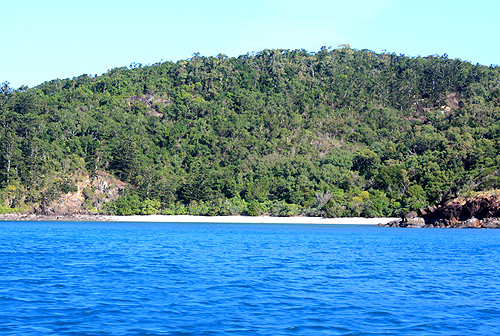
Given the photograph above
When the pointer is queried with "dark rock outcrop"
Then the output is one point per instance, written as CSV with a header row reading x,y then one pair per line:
x,y
478,212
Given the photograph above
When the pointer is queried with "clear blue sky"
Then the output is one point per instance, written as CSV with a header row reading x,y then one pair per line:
x,y
44,40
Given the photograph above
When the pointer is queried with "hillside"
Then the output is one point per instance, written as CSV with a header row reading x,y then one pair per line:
x,y
339,132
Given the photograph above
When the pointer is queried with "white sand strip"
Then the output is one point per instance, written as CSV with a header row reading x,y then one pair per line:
x,y
251,220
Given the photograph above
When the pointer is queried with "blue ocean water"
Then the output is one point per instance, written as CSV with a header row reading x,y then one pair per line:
x,y
104,278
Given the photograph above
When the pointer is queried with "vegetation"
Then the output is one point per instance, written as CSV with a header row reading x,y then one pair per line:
x,y
339,132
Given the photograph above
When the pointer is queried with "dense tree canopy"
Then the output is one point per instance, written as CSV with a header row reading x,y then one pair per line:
x,y
339,132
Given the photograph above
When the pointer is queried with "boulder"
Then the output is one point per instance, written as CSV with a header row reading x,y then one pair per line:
x,y
471,223
491,223
409,216
417,222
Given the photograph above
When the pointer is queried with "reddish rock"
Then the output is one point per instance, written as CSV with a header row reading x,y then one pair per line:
x,y
422,212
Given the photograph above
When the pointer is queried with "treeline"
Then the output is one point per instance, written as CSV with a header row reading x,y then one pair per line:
x,y
339,132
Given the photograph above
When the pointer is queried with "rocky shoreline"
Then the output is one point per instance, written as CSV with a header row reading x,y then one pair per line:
x,y
480,212
50,218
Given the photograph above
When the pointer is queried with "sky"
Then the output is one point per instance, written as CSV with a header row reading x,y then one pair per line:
x,y
50,39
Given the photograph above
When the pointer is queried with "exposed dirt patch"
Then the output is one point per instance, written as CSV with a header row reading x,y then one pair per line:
x,y
93,192
152,102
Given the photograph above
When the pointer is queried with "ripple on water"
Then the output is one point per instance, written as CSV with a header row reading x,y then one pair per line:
x,y
198,279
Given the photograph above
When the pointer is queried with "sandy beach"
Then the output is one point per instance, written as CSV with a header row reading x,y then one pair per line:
x,y
251,220
199,219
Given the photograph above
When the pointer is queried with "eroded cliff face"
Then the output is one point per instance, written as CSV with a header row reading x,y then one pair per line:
x,y
482,211
92,193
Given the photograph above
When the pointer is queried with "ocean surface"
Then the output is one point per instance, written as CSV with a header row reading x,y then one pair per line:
x,y
59,278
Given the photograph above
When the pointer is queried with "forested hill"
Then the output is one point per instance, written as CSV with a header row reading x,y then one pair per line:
x,y
339,132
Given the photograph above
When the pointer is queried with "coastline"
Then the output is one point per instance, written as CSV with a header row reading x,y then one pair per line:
x,y
199,219
251,220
